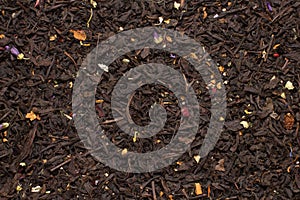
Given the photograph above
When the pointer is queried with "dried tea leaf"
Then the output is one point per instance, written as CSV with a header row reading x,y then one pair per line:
x,y
198,189
79,34
289,121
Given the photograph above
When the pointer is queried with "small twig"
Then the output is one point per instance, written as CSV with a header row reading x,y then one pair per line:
x,y
239,46
147,182
269,48
60,165
153,190
285,64
67,54
89,20
185,194
109,121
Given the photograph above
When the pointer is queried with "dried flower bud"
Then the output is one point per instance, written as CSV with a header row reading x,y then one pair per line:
x,y
269,7
4,125
14,51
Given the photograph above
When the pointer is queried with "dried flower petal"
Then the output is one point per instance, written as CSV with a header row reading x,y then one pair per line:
x,y
185,111
288,121
269,7
37,3
20,56
157,38
4,125
172,56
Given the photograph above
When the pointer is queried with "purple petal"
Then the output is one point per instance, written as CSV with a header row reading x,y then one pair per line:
x,y
269,7
7,48
14,51
155,35
172,56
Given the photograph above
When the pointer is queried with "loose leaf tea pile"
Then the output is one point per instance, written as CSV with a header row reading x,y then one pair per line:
x,y
256,47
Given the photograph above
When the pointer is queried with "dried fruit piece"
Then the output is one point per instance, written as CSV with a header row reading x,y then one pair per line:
x,y
135,136
198,189
36,189
124,152
289,85
176,5
245,124
197,158
289,121
161,193
52,37
32,116
204,13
